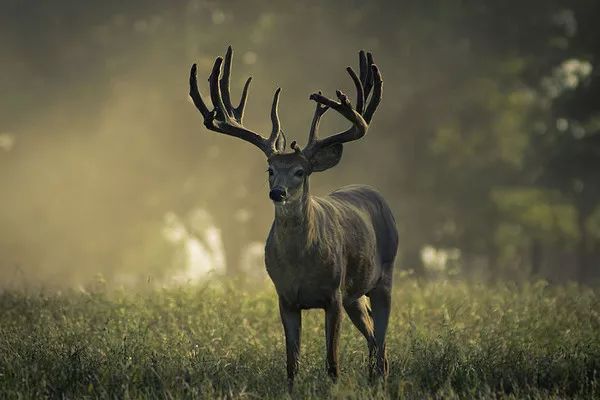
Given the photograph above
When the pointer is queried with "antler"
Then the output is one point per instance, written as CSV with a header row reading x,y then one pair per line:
x,y
370,79
224,118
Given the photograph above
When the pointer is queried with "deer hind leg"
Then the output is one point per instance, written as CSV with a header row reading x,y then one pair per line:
x,y
360,314
381,301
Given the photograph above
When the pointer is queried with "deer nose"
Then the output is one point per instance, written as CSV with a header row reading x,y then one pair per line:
x,y
277,194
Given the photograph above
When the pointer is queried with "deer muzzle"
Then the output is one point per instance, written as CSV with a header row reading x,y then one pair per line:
x,y
278,194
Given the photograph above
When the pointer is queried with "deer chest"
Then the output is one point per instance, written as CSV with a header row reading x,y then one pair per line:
x,y
304,285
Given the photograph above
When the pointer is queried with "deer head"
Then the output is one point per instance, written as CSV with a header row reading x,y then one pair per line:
x,y
289,171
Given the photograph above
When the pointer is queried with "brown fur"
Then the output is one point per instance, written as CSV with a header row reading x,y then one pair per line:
x,y
321,252
325,252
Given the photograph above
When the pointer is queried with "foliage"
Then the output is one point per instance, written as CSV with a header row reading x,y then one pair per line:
x,y
446,339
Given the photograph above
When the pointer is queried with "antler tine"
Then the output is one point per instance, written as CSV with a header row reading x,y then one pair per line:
x,y
224,118
275,132
356,131
314,127
224,82
376,97
238,112
369,78
364,68
215,90
360,95
195,93
368,84
280,142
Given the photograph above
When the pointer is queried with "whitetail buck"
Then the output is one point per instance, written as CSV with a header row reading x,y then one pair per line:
x,y
322,252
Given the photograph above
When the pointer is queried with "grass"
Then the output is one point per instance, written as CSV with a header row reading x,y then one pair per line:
x,y
450,340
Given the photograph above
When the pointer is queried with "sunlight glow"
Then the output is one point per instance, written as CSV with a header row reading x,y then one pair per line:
x,y
7,141
201,251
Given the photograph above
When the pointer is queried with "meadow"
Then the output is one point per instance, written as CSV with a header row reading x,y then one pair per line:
x,y
446,340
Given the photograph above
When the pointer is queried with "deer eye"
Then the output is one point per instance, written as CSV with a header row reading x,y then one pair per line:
x,y
270,171
299,173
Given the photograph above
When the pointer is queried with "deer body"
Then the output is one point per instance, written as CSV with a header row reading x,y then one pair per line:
x,y
360,239
332,252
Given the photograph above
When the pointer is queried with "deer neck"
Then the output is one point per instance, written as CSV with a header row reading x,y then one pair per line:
x,y
293,220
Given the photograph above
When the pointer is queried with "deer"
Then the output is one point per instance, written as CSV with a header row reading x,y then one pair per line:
x,y
331,252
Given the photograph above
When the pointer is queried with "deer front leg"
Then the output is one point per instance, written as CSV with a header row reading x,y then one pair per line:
x,y
333,319
292,324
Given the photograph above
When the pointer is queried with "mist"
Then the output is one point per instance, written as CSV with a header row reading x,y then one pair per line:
x,y
106,169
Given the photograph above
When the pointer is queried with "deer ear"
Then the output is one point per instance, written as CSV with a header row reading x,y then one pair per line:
x,y
326,157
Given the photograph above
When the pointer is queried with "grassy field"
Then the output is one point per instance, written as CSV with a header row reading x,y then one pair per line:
x,y
450,340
